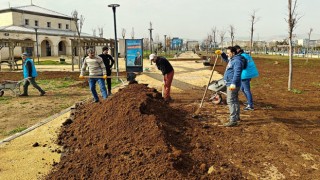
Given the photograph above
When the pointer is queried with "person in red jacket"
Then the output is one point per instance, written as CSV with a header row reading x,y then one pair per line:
x,y
167,71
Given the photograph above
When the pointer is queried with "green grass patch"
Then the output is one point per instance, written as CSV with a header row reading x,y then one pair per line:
x,y
16,130
56,84
5,100
51,62
317,84
297,91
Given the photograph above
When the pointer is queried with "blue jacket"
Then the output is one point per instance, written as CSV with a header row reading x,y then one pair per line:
x,y
251,70
28,66
233,71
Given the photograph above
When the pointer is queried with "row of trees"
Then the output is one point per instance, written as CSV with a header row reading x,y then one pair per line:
x,y
292,20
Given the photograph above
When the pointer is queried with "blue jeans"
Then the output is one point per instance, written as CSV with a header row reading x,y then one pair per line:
x,y
233,104
245,88
92,85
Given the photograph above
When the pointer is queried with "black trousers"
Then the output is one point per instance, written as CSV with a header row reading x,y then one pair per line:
x,y
108,80
32,81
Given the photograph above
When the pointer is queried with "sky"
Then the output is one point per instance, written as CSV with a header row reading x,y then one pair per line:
x,y
187,19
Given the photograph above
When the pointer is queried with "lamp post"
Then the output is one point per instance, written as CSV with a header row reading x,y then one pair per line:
x,y
114,6
150,29
36,29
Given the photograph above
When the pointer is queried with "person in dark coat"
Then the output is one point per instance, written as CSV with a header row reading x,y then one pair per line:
x,y
167,71
108,62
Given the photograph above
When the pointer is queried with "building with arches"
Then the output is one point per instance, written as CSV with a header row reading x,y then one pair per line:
x,y
55,33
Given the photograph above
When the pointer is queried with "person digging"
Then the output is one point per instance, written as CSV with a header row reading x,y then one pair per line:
x,y
167,71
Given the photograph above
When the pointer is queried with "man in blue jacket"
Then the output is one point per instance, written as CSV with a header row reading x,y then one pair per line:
x,y
232,77
29,75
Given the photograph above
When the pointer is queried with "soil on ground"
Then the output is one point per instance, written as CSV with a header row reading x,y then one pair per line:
x,y
136,135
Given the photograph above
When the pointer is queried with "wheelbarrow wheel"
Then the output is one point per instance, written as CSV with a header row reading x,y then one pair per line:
x,y
1,93
216,99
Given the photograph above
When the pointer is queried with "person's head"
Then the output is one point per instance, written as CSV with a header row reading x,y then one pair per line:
x,y
231,51
90,52
153,57
24,55
138,53
238,48
105,50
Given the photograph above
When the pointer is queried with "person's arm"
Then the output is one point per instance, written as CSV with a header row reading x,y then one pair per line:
x,y
103,67
224,57
112,61
83,68
237,67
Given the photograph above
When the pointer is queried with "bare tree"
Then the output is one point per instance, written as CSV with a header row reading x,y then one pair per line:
x,y
123,33
100,29
232,31
222,33
132,33
292,23
213,33
308,46
79,23
253,20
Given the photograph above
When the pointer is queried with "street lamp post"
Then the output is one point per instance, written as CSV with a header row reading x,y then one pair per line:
x,y
36,29
114,6
150,29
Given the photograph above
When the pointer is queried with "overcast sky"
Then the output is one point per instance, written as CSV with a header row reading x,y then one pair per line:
x,y
188,19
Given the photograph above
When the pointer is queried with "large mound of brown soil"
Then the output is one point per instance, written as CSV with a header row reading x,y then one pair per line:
x,y
134,135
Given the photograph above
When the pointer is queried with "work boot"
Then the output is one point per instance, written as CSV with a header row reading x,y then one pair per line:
x,y
231,124
23,94
42,93
248,108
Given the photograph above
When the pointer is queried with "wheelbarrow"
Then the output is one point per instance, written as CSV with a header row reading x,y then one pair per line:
x,y
218,87
13,86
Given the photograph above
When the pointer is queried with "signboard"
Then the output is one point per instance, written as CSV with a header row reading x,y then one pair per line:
x,y
176,43
134,56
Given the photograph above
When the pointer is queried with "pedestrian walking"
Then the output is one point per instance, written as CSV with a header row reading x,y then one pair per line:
x,y
167,71
98,72
29,75
108,63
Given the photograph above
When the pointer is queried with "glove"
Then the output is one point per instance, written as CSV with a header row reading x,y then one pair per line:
x,y
218,52
104,76
232,87
81,77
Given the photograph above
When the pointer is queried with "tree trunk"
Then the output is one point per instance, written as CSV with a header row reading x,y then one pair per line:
x,y
290,65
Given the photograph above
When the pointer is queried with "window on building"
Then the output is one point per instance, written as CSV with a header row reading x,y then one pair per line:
x,y
59,25
26,22
67,26
48,24
36,23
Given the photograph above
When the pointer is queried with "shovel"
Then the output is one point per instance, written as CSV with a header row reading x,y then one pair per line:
x,y
196,114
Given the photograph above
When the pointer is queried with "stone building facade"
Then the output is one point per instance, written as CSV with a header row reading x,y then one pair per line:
x,y
55,32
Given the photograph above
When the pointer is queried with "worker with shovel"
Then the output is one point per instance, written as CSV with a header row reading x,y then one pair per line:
x,y
232,77
167,71
97,73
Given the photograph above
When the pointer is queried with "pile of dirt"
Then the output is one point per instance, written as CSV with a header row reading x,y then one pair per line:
x,y
134,135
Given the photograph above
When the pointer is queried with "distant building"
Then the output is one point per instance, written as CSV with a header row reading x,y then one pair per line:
x,y
56,32
192,45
